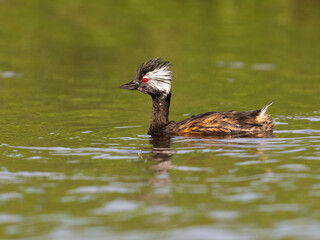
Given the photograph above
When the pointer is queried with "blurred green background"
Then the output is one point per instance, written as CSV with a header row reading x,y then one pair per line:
x,y
75,54
73,145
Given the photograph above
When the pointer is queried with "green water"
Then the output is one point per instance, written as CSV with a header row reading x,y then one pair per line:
x,y
76,162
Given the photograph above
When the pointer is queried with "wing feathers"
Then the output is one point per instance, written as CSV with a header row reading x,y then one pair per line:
x,y
225,123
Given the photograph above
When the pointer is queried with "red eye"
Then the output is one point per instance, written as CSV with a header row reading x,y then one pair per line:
x,y
145,80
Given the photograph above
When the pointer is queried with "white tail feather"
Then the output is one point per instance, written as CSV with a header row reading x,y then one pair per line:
x,y
263,110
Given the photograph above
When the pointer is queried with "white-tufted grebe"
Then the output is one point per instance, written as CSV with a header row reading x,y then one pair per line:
x,y
154,78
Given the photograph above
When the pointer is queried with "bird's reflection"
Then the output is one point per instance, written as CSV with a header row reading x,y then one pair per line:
x,y
160,179
161,154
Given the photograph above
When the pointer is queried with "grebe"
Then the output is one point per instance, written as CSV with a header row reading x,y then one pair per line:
x,y
154,78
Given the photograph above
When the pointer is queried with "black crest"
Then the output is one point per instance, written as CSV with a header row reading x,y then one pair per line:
x,y
150,66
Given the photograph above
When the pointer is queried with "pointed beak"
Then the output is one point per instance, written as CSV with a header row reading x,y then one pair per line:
x,y
130,86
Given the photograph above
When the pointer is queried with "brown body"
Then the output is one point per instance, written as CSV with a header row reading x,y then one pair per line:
x,y
222,123
211,123
154,78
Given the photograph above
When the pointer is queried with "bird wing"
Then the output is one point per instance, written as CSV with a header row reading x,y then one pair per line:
x,y
221,123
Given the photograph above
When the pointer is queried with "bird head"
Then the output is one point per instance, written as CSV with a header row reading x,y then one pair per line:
x,y
152,77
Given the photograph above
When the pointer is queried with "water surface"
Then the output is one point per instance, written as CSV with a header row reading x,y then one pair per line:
x,y
76,162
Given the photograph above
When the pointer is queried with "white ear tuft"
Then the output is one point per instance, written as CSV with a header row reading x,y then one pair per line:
x,y
160,79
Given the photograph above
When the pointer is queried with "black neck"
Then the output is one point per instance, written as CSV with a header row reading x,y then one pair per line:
x,y
160,113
